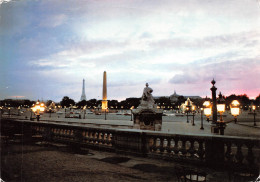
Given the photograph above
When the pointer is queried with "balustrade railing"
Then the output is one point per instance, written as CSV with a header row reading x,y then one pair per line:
x,y
205,149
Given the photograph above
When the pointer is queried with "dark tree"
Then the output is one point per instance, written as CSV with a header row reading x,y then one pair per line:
x,y
82,103
66,101
28,103
92,102
257,100
133,102
180,101
112,103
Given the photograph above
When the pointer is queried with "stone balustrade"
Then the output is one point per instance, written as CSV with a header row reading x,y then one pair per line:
x,y
211,150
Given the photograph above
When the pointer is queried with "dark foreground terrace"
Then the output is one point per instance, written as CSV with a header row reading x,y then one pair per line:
x,y
32,163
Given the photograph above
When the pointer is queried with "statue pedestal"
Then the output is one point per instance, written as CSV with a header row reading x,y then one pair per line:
x,y
147,118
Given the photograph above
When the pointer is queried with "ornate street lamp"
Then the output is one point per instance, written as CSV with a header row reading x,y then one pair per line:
x,y
9,112
235,109
201,114
193,114
38,107
207,109
132,113
84,111
106,113
221,106
221,109
187,111
254,114
1,111
188,108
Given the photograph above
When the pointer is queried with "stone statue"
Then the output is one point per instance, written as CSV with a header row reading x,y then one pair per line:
x,y
147,116
147,98
147,94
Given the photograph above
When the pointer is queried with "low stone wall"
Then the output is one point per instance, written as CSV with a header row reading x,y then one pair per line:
x,y
214,151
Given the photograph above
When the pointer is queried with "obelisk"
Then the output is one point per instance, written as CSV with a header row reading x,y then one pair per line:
x,y
104,100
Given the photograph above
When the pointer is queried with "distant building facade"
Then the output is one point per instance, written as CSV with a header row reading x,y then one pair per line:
x,y
174,97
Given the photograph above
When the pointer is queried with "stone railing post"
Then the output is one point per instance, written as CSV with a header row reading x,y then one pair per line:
x,y
214,152
77,140
144,144
131,142
47,134
27,131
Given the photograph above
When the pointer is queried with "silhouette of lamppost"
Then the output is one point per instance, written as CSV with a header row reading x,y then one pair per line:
x,y
187,111
201,115
207,109
193,114
188,108
84,111
221,109
214,103
131,113
106,113
9,112
31,113
1,108
254,114
38,107
235,109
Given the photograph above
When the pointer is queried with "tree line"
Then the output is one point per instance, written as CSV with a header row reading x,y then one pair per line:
x,y
162,102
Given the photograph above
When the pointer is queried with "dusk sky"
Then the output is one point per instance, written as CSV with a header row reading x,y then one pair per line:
x,y
48,46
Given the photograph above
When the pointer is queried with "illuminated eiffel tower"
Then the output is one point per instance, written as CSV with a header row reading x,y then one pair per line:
x,y
83,95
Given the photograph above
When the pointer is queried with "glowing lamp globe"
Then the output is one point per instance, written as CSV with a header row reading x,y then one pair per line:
x,y
207,108
234,107
207,111
253,107
221,107
221,104
193,108
206,104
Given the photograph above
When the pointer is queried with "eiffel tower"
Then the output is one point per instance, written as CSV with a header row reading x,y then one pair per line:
x,y
83,95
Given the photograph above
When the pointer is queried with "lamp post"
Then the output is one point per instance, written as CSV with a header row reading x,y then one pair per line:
x,y
1,112
31,113
131,113
188,108
214,100
187,111
50,113
38,107
221,109
201,114
84,112
254,115
106,113
234,107
207,109
193,114
9,112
